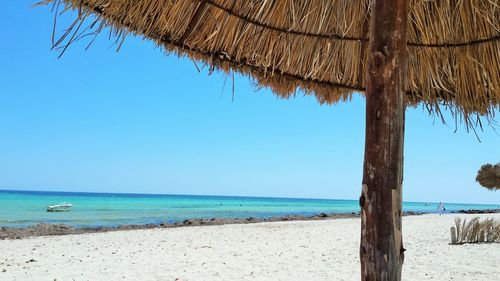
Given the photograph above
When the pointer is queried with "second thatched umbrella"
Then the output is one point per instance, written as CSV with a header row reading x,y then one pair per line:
x,y
489,176
442,53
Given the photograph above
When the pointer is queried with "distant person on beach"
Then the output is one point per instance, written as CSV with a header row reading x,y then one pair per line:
x,y
441,208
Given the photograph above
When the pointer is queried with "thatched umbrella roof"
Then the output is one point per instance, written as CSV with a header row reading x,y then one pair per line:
x,y
318,46
489,176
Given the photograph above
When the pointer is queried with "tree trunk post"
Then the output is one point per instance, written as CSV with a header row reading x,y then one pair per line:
x,y
381,250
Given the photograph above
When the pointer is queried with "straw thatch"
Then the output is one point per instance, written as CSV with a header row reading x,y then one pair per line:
x,y
318,46
489,176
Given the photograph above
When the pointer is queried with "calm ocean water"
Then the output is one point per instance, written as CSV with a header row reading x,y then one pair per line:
x,y
25,208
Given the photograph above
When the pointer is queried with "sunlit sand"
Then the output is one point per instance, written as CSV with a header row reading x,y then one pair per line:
x,y
298,250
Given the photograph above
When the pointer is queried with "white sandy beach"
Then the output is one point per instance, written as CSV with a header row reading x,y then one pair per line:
x,y
299,250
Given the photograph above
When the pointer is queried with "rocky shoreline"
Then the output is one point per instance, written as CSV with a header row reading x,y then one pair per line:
x,y
45,229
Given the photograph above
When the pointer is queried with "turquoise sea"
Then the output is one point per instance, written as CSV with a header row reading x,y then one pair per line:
x,y
25,208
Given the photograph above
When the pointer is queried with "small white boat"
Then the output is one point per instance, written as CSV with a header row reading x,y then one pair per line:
x,y
61,207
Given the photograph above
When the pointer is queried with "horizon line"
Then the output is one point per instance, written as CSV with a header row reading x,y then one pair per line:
x,y
215,195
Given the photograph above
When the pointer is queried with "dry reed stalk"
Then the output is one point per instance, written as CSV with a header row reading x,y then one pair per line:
x,y
477,231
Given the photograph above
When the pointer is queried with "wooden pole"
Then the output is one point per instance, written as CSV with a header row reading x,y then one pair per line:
x,y
381,250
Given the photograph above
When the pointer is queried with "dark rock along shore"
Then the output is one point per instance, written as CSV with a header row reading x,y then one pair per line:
x,y
45,229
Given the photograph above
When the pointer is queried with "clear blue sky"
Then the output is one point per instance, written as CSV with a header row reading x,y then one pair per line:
x,y
141,121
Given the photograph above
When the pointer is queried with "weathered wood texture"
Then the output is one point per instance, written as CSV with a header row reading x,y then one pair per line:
x,y
381,249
